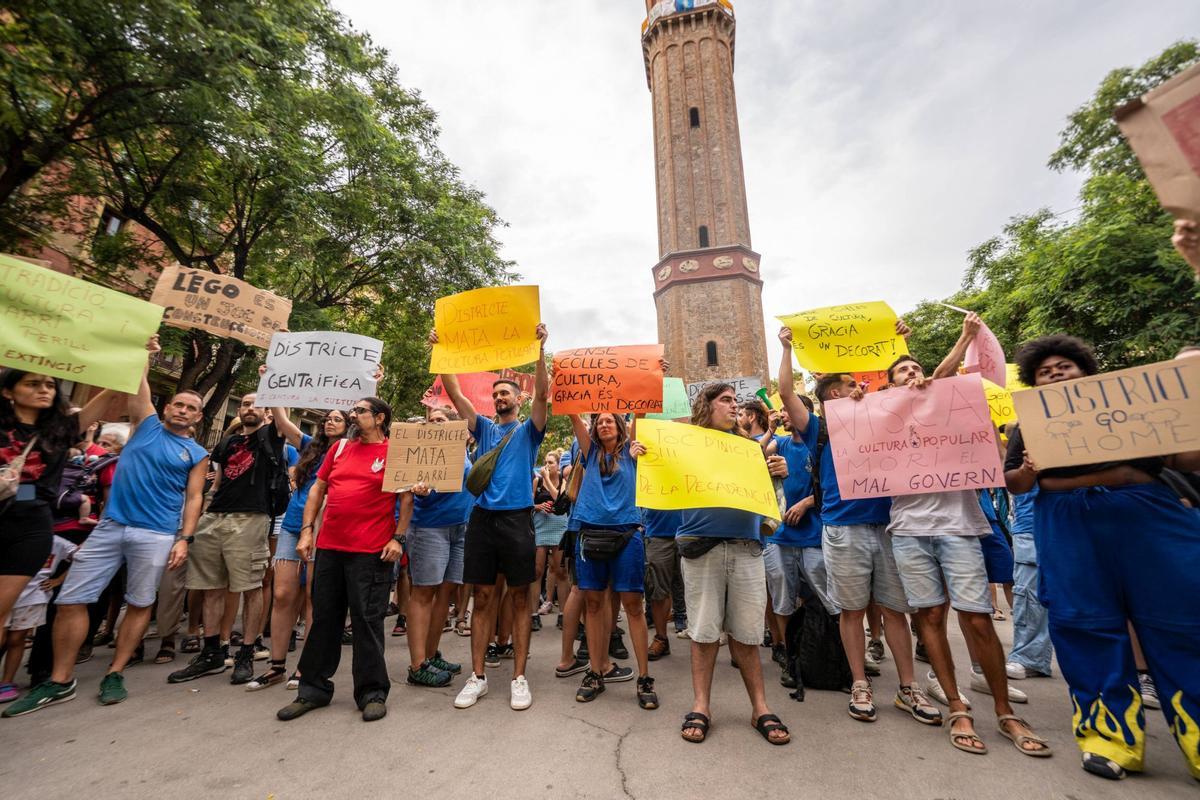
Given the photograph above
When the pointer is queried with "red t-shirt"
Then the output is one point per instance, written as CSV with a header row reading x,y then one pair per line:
x,y
359,516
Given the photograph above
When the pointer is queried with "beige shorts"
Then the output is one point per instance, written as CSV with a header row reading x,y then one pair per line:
x,y
725,591
26,618
230,552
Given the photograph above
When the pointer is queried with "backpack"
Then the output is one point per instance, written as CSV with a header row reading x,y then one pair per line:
x,y
815,656
822,442
79,481
279,487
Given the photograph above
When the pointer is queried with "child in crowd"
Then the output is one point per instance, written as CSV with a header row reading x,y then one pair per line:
x,y
29,612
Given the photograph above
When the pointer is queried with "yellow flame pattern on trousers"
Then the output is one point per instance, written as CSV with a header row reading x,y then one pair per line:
x,y
1103,733
1187,734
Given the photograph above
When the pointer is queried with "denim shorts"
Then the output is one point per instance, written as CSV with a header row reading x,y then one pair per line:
x,y
931,566
435,555
110,545
793,573
625,573
725,591
285,546
861,567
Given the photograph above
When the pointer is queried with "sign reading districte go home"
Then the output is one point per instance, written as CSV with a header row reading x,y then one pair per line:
x,y
486,329
426,452
219,304
58,325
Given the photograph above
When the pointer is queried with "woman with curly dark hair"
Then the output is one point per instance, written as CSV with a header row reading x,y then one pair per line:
x,y
1115,546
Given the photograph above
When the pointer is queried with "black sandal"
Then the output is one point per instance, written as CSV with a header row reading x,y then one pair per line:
x,y
694,720
761,725
166,653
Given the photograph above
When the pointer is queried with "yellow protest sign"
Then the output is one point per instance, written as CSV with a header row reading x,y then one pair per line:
x,y
1012,382
857,337
57,325
686,466
486,329
1000,403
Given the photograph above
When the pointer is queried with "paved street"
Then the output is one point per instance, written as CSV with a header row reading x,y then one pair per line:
x,y
209,739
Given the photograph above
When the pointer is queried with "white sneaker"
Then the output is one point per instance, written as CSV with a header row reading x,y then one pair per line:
x,y
521,699
870,665
979,684
933,688
683,634
1016,672
475,688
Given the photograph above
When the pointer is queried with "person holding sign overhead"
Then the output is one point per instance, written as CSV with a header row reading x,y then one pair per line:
x,y
1114,544
500,539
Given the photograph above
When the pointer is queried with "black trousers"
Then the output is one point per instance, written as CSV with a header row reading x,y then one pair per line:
x,y
358,583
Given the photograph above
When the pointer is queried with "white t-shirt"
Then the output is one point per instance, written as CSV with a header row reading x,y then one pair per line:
x,y
33,594
954,513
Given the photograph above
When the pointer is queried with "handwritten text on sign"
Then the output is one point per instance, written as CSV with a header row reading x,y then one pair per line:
x,y
622,380
58,325
745,388
1132,413
219,304
486,329
913,441
985,356
319,369
422,452
686,466
675,400
859,337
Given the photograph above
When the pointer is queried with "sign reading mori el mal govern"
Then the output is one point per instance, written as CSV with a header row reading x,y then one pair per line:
x,y
220,304
1144,411
623,380
57,325
913,441
686,466
746,387
857,337
319,369
424,452
486,329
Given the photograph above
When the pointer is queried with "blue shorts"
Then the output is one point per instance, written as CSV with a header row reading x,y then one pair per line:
x,y
625,573
435,555
110,545
997,557
285,545
933,566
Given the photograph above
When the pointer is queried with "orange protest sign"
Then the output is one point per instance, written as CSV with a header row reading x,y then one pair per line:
x,y
622,380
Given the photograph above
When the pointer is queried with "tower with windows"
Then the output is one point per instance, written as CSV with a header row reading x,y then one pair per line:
x,y
707,282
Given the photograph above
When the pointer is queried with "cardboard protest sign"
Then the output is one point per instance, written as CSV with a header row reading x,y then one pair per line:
x,y
319,369
914,441
858,337
1152,410
1163,128
486,329
985,356
624,380
57,325
686,466
220,304
746,388
477,386
675,401
426,452
1000,403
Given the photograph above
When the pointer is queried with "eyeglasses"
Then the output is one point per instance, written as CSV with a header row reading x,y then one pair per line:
x,y
360,410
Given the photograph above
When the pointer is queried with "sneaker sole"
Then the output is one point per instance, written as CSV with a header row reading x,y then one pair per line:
x,y
569,672
581,699
111,702
458,704
185,679
255,686
862,716
913,712
47,704
516,707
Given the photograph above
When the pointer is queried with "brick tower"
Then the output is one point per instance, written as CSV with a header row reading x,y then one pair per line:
x,y
707,284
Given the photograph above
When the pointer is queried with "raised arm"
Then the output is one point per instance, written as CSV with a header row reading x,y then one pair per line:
x,y
541,384
787,391
94,410
285,427
462,405
949,365
582,435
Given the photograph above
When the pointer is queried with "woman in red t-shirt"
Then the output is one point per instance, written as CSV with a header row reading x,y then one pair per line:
x,y
359,543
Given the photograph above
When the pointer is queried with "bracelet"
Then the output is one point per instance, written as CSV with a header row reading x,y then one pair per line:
x,y
303,528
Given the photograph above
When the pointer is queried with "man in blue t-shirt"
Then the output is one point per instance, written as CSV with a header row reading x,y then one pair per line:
x,y
500,539
161,470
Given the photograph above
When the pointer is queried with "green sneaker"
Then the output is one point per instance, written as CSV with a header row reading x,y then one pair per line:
x,y
446,666
112,689
40,696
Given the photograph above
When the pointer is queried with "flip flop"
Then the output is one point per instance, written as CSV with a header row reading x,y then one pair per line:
x,y
1019,739
165,655
692,721
973,737
761,725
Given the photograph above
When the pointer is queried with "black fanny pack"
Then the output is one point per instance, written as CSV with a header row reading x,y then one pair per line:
x,y
696,546
601,545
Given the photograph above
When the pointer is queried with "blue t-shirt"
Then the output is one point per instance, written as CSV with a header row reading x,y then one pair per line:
x,y
661,524
607,499
723,523
292,454
835,510
1022,505
443,509
510,487
797,486
151,478
293,518
989,511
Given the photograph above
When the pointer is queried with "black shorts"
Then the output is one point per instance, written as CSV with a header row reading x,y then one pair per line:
x,y
500,542
26,537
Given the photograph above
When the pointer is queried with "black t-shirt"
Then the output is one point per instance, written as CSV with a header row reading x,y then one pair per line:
x,y
245,471
1015,457
43,466
540,495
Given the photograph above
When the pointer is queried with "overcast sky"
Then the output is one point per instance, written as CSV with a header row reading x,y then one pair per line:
x,y
881,140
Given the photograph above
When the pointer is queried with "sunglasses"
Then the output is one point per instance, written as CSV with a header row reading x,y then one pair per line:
x,y
360,410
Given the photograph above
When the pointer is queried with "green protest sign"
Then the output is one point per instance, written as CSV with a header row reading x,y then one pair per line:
x,y
675,401
57,325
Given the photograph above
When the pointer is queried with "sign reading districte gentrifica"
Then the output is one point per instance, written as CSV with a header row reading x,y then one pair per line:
x,y
1152,410
426,452
486,329
858,337
744,387
319,369
914,441
686,466
623,380
220,304
58,325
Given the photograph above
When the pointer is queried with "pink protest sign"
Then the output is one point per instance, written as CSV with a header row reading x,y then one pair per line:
x,y
913,441
986,356
477,386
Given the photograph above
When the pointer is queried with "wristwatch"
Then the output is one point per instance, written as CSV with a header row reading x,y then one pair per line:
x,y
187,539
